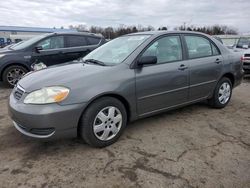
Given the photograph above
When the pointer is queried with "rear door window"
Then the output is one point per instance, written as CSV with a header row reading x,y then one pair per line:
x,y
93,40
198,47
76,41
215,50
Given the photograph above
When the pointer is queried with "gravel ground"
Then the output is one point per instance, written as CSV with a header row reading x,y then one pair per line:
x,y
195,146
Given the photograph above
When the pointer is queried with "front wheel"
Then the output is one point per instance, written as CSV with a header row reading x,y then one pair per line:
x,y
222,93
13,74
103,122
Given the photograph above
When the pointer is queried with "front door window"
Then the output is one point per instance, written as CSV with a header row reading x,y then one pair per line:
x,y
52,43
166,49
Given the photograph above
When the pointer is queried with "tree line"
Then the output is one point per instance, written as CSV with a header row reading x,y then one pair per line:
x,y
211,30
113,32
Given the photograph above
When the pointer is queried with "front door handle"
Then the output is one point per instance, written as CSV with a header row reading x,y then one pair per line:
x,y
217,61
182,67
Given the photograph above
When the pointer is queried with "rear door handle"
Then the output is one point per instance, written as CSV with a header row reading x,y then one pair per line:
x,y
182,67
217,61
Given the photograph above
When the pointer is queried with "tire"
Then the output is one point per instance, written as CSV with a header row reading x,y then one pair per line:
x,y
20,71
219,100
108,126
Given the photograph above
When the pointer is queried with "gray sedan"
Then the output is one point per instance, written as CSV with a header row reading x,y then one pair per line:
x,y
130,77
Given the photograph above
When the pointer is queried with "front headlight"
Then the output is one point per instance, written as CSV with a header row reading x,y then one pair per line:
x,y
38,66
47,95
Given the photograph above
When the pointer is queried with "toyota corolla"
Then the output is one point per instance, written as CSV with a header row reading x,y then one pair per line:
x,y
128,78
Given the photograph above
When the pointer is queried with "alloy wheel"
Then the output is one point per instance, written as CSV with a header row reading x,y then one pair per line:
x,y
14,75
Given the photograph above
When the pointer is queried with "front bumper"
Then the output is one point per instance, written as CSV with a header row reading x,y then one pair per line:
x,y
246,67
39,134
45,121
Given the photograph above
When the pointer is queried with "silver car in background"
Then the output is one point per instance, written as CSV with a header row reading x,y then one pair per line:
x,y
130,77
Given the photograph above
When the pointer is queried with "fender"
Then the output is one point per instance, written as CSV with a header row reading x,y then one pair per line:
x,y
11,63
130,108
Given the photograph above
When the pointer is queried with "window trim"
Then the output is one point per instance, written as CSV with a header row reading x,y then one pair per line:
x,y
198,35
134,64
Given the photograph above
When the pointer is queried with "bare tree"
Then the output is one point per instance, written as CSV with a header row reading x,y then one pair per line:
x,y
113,32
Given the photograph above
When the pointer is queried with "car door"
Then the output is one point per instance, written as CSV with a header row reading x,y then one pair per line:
x,y
77,47
205,65
164,84
49,51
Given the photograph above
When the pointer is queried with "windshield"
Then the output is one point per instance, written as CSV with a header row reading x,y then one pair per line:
x,y
117,50
27,43
11,46
243,42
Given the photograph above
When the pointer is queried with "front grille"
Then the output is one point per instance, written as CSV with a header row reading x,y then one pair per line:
x,y
18,93
247,55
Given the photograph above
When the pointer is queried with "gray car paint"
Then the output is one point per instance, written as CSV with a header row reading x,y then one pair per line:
x,y
145,90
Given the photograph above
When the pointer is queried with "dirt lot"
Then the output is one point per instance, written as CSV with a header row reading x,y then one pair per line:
x,y
195,146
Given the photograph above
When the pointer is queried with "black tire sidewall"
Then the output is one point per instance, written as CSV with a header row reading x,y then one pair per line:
x,y
215,100
6,71
88,117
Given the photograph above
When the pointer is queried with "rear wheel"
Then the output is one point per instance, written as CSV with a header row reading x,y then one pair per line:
x,y
222,93
103,122
13,74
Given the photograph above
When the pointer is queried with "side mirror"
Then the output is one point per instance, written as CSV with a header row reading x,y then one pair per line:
x,y
245,46
147,60
38,48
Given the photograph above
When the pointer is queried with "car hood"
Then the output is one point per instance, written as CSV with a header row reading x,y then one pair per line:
x,y
72,76
6,51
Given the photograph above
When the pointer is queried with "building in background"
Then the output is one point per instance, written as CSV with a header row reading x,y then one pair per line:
x,y
14,34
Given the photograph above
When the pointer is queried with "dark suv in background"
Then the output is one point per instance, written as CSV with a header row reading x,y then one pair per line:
x,y
45,50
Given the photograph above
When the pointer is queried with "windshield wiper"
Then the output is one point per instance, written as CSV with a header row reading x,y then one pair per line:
x,y
94,61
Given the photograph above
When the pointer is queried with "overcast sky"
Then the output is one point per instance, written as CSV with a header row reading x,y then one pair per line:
x,y
171,13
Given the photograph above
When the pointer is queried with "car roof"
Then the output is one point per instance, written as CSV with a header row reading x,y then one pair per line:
x,y
78,33
156,34
166,32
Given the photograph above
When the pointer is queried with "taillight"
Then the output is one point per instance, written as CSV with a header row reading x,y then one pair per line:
x,y
242,59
